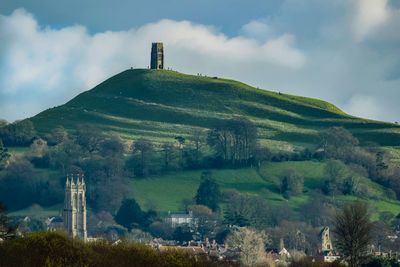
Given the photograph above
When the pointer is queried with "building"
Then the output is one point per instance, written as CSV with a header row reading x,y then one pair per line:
x,y
74,212
54,223
179,219
326,244
328,254
157,56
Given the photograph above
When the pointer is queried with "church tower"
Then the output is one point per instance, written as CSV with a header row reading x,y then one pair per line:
x,y
157,56
74,213
326,243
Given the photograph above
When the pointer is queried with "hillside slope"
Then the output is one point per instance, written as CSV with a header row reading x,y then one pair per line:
x,y
168,192
162,104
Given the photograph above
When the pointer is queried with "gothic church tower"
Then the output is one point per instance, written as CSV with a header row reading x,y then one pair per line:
x,y
326,244
74,213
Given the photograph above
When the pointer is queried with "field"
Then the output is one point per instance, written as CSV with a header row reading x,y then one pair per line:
x,y
36,211
166,193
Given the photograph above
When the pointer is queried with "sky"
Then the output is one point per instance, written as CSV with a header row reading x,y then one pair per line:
x,y
343,51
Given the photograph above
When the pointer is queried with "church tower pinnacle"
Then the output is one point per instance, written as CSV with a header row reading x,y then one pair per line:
x,y
74,212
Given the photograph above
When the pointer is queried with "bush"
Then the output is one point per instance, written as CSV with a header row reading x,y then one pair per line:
x,y
56,249
307,262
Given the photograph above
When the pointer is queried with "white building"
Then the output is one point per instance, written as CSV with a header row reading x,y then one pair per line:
x,y
179,219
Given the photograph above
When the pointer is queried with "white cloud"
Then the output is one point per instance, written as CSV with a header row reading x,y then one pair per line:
x,y
369,15
52,65
258,29
348,54
364,106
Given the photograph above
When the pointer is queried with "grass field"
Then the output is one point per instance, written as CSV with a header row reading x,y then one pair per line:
x,y
36,211
166,193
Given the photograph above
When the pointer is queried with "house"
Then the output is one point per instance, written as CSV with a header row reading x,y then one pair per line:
x,y
54,223
196,250
179,219
331,256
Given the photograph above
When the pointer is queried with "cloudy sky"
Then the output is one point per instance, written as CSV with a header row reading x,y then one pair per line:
x,y
343,51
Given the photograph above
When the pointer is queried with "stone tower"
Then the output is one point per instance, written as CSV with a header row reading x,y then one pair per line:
x,y
74,213
157,56
326,245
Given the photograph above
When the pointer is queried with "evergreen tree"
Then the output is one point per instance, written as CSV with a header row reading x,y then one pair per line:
x,y
349,186
208,193
130,215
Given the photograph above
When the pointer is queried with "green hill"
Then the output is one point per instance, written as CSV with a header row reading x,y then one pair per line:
x,y
162,104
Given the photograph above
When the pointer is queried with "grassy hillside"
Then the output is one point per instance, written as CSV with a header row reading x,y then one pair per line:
x,y
162,104
166,192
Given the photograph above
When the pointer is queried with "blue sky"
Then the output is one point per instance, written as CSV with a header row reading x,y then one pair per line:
x,y
343,51
101,15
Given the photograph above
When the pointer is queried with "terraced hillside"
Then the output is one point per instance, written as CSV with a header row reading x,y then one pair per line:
x,y
162,104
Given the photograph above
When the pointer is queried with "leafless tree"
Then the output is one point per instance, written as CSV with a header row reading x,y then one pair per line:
x,y
144,147
352,228
251,245
235,141
168,150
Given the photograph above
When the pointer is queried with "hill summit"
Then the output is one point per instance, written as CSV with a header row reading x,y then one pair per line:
x,y
161,104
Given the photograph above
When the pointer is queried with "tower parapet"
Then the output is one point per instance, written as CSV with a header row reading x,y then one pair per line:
x,y
74,212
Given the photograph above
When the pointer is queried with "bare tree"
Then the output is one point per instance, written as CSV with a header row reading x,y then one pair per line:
x,y
251,245
4,156
181,142
168,150
89,137
144,147
352,228
334,171
198,142
57,136
292,183
337,143
205,219
235,141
